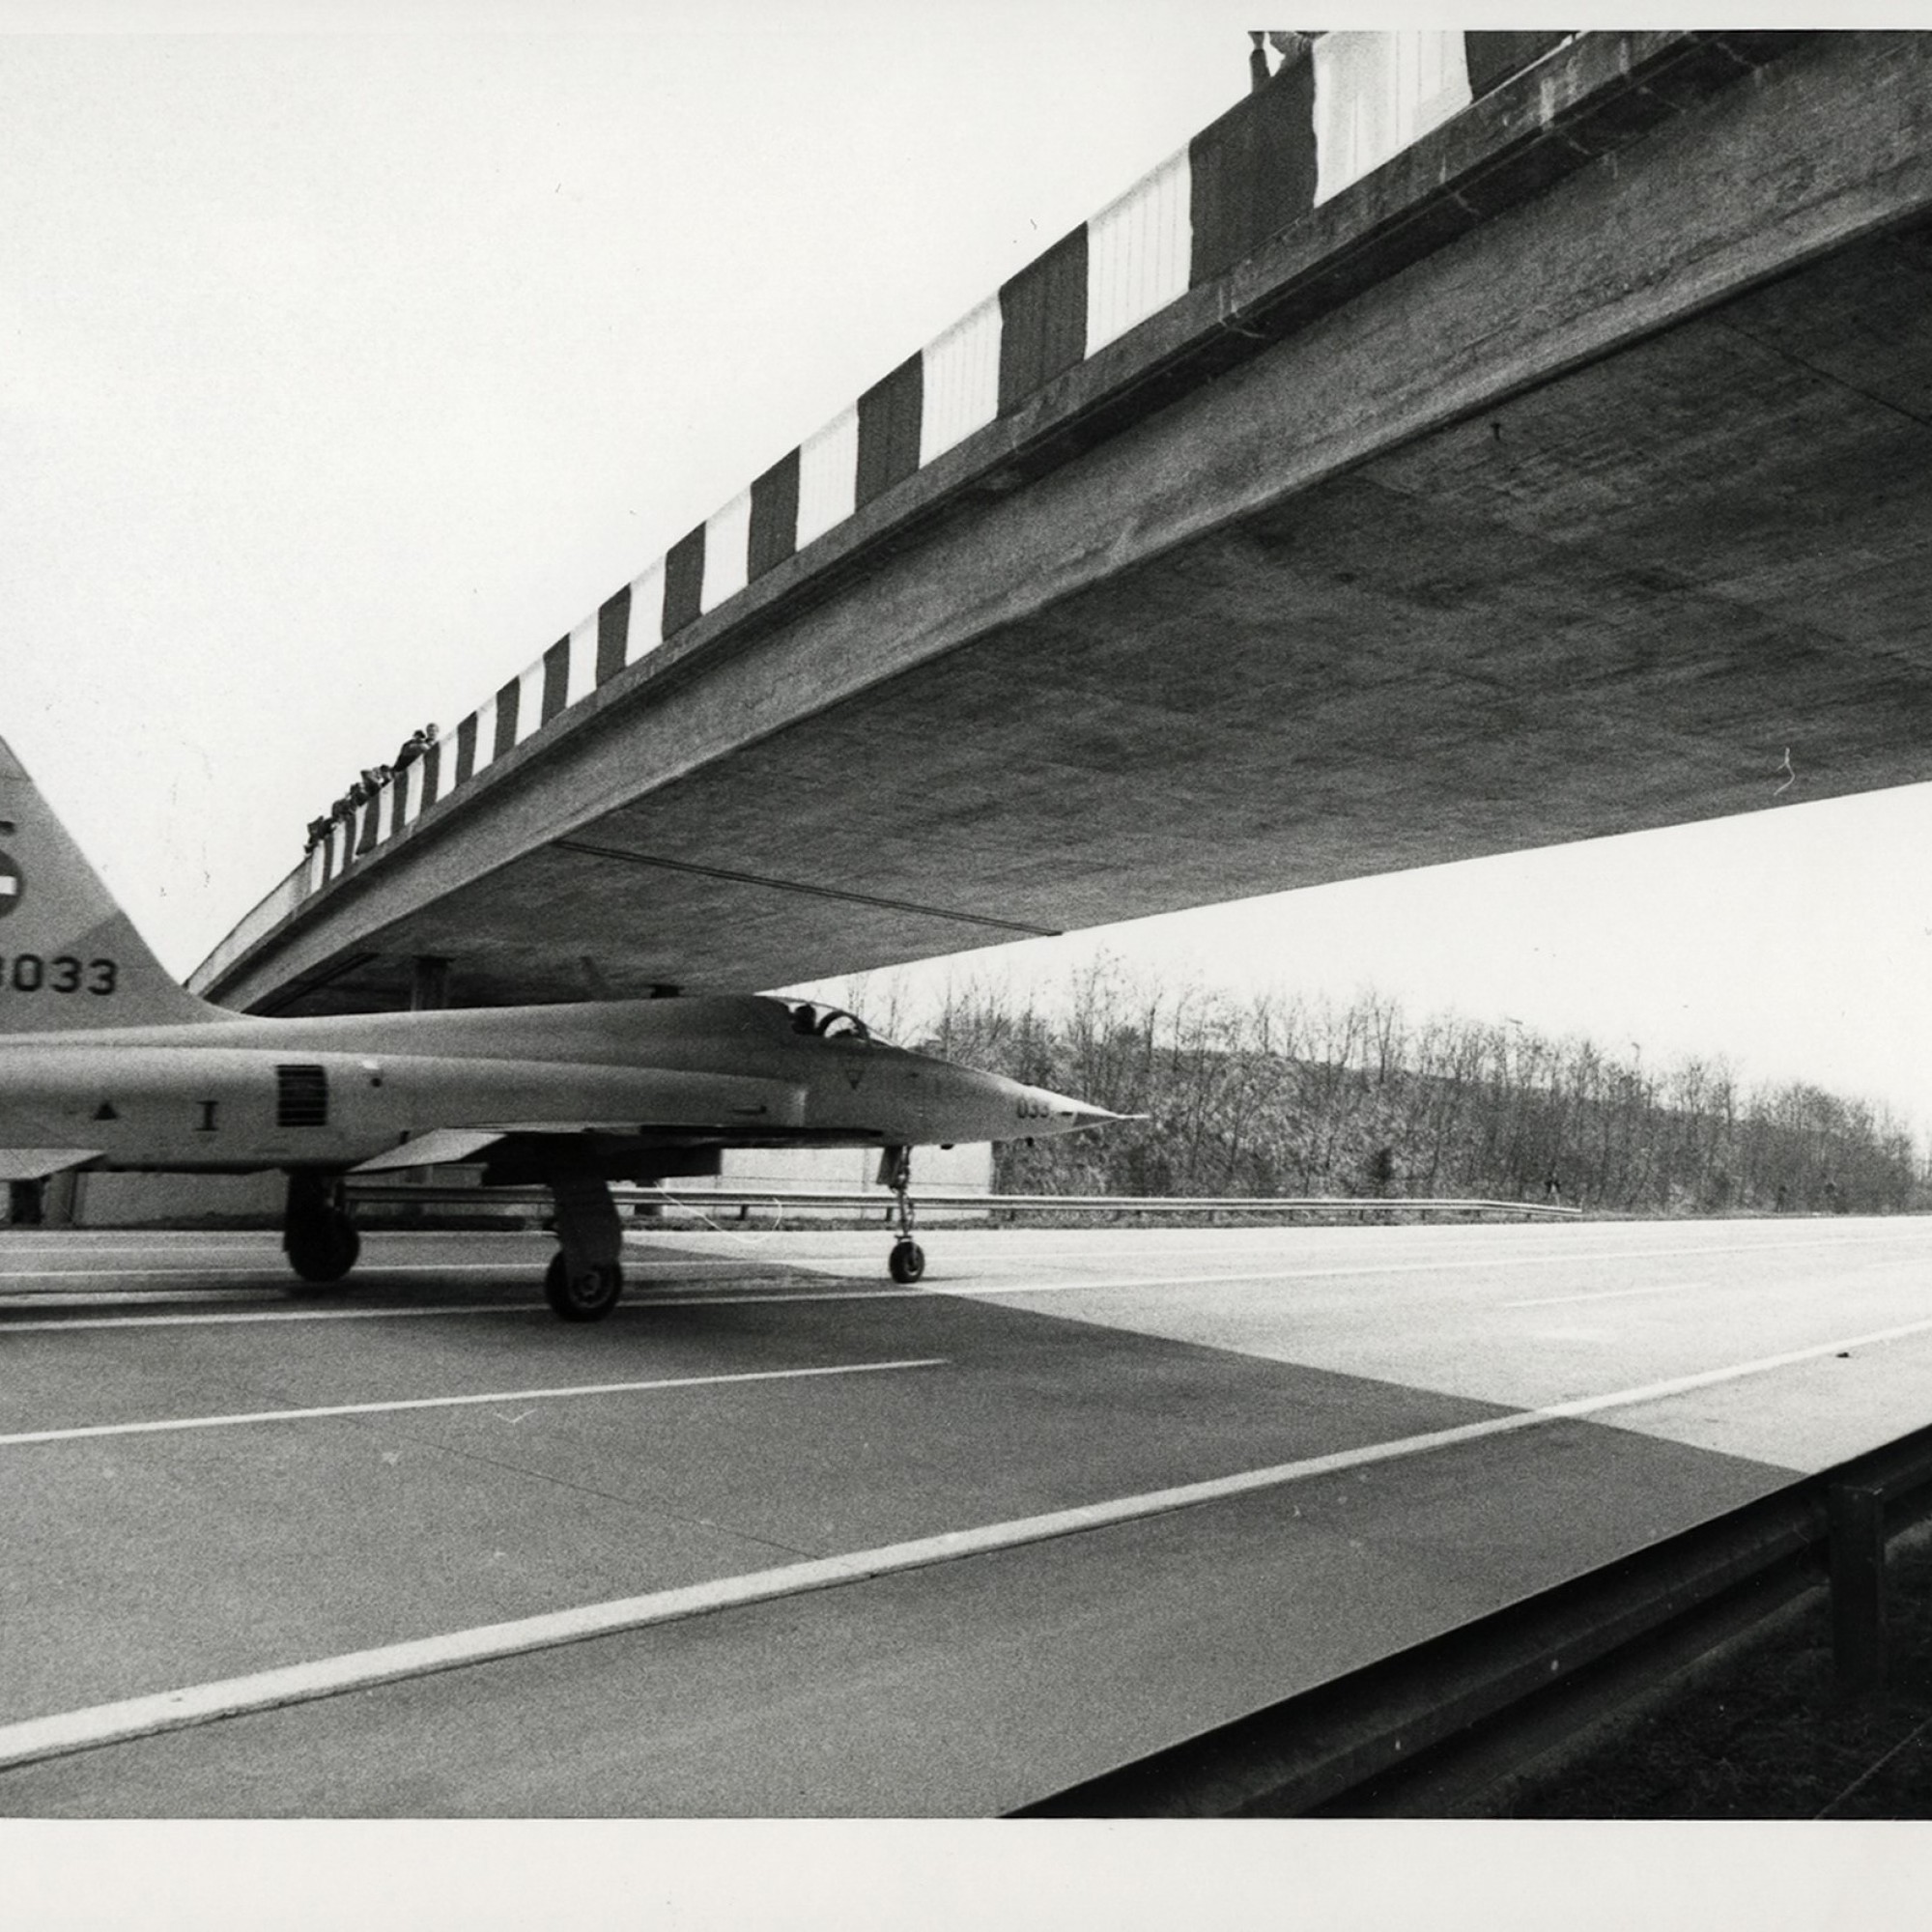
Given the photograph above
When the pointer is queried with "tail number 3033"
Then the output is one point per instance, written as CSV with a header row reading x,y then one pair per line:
x,y
29,973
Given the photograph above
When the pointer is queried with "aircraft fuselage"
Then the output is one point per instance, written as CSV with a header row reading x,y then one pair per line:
x,y
247,1092
106,1062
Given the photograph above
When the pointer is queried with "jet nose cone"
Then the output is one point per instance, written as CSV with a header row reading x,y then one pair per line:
x,y
1062,1114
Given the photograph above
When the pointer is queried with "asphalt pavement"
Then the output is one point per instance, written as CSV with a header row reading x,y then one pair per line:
x,y
781,1539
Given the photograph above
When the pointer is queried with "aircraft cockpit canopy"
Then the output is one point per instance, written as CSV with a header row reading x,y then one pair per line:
x,y
827,1022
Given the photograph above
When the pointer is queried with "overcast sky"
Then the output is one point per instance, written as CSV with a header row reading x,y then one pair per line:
x,y
341,373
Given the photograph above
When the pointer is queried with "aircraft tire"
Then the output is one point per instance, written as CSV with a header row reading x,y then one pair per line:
x,y
907,1261
325,1250
588,1297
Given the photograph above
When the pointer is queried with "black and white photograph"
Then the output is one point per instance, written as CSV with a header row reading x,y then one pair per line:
x,y
963,965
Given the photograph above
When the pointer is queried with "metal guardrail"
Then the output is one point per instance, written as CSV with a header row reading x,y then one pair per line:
x,y
879,1201
1338,1747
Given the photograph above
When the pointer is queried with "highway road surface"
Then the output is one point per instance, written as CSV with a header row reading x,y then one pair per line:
x,y
781,1538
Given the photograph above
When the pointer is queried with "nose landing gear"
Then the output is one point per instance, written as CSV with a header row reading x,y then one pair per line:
x,y
907,1260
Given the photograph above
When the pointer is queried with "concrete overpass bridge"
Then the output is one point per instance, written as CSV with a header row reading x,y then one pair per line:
x,y
1471,442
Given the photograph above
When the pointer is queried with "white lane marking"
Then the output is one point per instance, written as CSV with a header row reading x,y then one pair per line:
x,y
81,1255
69,1731
963,1289
79,1240
926,1290
73,1252
1614,1294
858,1265
231,1316
134,1297
85,1273
67,1298
1512,1260
175,1425
1109,1284
966,1291
1397,1267
160,1237
957,1291
643,1305
375,1269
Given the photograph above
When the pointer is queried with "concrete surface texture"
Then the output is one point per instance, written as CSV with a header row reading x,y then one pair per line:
x,y
1605,514
207,1479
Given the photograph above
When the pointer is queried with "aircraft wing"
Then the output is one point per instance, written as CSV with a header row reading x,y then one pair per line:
x,y
36,1163
432,1149
449,1144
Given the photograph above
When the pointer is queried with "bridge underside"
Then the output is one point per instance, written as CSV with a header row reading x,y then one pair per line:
x,y
1620,596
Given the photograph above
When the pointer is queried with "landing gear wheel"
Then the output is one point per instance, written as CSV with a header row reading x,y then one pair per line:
x,y
907,1260
586,1296
323,1250
318,1237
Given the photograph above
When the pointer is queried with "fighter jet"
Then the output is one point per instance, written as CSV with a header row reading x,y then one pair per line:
x,y
108,1063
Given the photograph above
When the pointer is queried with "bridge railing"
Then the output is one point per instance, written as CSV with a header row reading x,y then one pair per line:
x,y
1336,109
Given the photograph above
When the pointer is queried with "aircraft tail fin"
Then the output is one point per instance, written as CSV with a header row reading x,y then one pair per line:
x,y
69,959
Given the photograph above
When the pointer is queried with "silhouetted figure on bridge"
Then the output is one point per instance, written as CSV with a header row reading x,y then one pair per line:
x,y
1289,45
371,781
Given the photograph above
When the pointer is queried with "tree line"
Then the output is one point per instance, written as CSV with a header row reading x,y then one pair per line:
x,y
1283,1095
